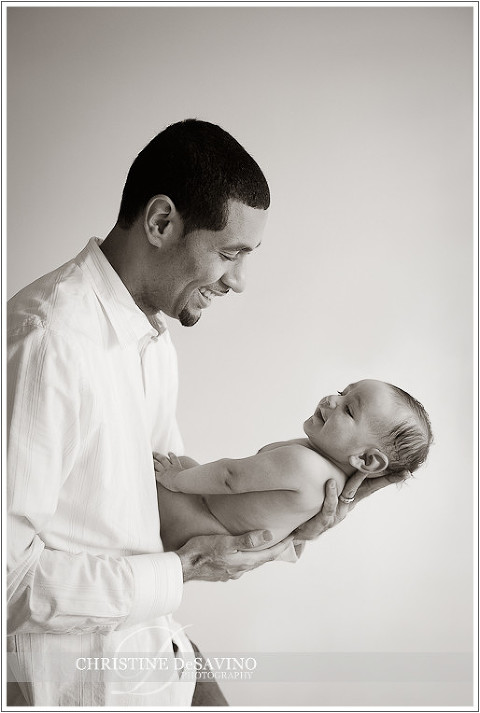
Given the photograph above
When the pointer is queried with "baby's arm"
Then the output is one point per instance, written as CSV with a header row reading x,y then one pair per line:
x,y
268,470
187,462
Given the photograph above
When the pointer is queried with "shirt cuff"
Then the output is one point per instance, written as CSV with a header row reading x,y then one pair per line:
x,y
158,583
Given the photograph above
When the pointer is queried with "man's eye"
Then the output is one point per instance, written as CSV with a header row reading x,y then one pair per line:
x,y
340,393
229,257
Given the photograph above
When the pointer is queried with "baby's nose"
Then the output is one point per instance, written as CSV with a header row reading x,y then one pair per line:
x,y
330,401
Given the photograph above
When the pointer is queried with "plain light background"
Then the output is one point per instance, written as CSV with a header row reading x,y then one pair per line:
x,y
361,118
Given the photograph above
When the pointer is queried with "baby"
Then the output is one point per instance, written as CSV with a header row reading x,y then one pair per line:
x,y
370,427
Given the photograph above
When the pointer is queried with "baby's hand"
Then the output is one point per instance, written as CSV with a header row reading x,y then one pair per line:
x,y
166,468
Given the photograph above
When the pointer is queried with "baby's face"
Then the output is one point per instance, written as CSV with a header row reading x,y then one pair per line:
x,y
348,423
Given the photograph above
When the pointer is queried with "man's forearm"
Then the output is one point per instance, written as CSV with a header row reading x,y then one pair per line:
x,y
59,592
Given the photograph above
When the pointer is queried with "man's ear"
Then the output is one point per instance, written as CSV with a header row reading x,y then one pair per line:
x,y
162,222
373,462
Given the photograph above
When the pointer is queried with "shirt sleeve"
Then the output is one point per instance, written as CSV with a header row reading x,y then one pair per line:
x,y
51,591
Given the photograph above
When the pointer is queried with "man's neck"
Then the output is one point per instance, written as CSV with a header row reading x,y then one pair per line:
x,y
114,247
122,252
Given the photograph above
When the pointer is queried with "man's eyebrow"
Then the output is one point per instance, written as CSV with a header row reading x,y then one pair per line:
x,y
241,247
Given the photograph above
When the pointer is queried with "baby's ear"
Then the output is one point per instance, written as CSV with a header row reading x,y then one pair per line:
x,y
373,462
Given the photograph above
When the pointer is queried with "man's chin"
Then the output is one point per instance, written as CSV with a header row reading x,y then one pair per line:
x,y
187,318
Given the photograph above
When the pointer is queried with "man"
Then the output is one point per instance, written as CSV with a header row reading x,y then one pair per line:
x,y
92,378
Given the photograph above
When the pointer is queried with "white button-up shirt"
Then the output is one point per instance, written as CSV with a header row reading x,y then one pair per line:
x,y
92,390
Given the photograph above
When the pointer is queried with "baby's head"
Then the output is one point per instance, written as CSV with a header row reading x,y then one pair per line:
x,y
371,426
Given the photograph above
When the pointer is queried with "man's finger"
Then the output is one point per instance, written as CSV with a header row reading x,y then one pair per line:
x,y
330,503
259,557
250,540
371,485
352,485
325,518
314,527
348,494
299,546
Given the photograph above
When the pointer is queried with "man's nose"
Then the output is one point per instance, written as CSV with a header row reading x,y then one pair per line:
x,y
235,277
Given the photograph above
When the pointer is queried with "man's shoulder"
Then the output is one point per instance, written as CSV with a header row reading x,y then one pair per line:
x,y
59,301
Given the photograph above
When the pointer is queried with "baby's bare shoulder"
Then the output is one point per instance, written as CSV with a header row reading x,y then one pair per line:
x,y
280,444
308,458
310,469
302,463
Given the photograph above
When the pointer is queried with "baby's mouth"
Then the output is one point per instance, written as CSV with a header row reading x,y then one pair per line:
x,y
319,415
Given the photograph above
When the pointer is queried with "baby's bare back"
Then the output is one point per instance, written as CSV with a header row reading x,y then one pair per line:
x,y
281,511
301,473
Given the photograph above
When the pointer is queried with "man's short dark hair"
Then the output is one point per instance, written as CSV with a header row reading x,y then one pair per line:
x,y
199,166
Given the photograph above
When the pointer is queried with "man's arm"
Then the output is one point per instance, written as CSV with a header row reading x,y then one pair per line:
x,y
53,591
269,470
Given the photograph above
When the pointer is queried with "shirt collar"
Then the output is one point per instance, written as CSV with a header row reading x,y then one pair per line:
x,y
128,320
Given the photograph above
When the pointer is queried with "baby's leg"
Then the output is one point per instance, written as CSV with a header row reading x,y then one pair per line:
x,y
183,516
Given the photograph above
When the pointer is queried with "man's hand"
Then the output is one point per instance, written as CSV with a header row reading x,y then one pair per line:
x,y
334,510
218,558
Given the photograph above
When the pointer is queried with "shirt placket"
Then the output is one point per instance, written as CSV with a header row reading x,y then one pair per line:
x,y
147,360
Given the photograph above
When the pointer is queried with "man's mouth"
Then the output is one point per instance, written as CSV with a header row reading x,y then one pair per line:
x,y
207,295
319,415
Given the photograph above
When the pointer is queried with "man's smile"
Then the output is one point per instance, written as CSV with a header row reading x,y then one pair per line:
x,y
207,295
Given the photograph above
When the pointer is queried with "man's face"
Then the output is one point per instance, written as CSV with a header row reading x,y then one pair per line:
x,y
348,423
206,264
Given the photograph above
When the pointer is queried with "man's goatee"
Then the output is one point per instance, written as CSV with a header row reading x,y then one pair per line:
x,y
187,318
